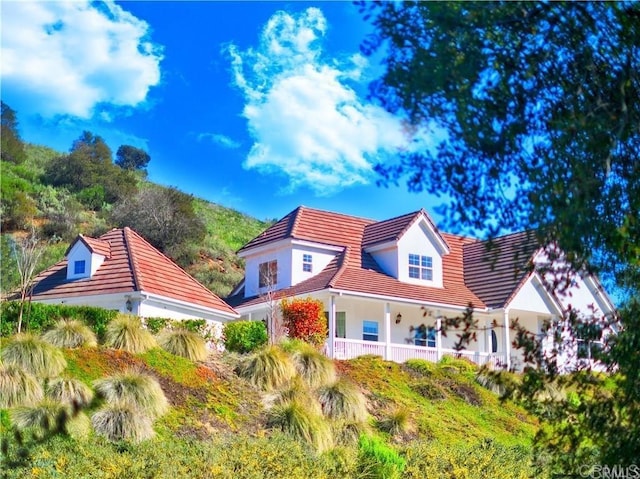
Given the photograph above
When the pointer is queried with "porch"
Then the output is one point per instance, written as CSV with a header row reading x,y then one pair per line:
x,y
399,353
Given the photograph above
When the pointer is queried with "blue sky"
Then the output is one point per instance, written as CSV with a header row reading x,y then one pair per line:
x,y
258,106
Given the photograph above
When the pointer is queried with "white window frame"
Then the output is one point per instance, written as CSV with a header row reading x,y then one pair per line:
x,y
420,267
307,263
76,267
268,274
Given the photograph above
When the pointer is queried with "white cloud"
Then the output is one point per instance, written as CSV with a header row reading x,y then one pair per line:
x,y
220,139
306,121
64,58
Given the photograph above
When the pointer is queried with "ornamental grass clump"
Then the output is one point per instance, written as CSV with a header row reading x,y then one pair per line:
x,y
69,333
296,391
185,343
122,422
70,392
396,423
314,367
141,391
303,424
18,387
126,332
34,356
268,369
343,400
47,416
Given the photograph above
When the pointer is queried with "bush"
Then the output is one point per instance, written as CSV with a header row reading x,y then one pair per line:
x,y
244,336
40,317
182,342
396,423
70,392
267,369
127,333
155,325
122,422
303,424
296,391
47,416
18,387
379,461
343,400
69,333
138,389
315,368
304,318
34,355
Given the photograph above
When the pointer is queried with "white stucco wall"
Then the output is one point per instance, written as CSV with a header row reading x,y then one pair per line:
x,y
105,301
282,256
417,240
387,259
320,260
532,297
79,252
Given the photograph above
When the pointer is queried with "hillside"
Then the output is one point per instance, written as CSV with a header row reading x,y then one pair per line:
x,y
30,196
218,426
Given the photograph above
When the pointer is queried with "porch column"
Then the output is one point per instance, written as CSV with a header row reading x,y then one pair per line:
x,y
332,326
439,337
387,331
507,338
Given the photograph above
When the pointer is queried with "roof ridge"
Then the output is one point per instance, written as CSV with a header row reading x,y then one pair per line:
x,y
342,265
296,219
133,261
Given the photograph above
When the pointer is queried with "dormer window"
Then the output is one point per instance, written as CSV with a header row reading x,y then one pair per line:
x,y
79,267
421,267
268,274
307,263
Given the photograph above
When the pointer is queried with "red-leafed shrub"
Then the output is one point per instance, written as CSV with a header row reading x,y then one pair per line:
x,y
305,320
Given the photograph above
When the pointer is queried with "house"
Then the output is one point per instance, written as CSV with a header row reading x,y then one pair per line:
x,y
388,285
120,270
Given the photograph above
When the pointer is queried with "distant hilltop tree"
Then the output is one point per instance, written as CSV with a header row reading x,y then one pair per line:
x,y
12,147
131,158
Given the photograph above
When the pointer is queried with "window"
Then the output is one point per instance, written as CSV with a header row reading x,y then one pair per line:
x,y
494,342
79,267
268,274
370,330
307,263
420,267
341,323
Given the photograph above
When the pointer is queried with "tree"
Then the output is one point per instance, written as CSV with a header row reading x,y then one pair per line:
x,y
534,114
12,148
131,158
27,252
305,320
163,216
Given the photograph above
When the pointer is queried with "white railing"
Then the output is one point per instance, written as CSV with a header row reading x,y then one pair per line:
x,y
352,348
399,353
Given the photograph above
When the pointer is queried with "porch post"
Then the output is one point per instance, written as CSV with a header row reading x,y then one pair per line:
x,y
332,325
439,337
387,331
507,338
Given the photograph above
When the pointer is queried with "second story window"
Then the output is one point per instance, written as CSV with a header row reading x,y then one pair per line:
x,y
268,274
307,263
420,267
79,267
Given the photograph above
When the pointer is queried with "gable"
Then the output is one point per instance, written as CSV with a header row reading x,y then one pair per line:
x,y
82,261
532,296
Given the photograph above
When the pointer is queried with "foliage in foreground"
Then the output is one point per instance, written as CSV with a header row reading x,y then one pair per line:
x,y
182,342
378,460
33,355
244,336
343,400
70,392
268,368
122,422
136,389
69,333
304,319
303,424
18,387
314,368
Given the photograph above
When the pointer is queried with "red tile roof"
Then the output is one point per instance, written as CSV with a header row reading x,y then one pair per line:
x,y
131,265
357,271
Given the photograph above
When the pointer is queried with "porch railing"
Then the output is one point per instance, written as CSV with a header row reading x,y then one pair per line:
x,y
399,353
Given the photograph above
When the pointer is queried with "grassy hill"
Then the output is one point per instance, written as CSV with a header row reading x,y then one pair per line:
x,y
59,216
218,425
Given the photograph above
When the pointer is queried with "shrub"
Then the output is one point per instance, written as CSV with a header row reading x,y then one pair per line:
x,y
396,423
126,332
296,391
314,367
268,368
70,392
34,356
47,416
304,318
155,325
377,460
122,422
69,333
343,400
421,366
349,432
244,336
140,390
78,426
303,424
18,387
182,342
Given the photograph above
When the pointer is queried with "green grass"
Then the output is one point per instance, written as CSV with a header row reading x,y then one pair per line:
x,y
302,423
182,342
